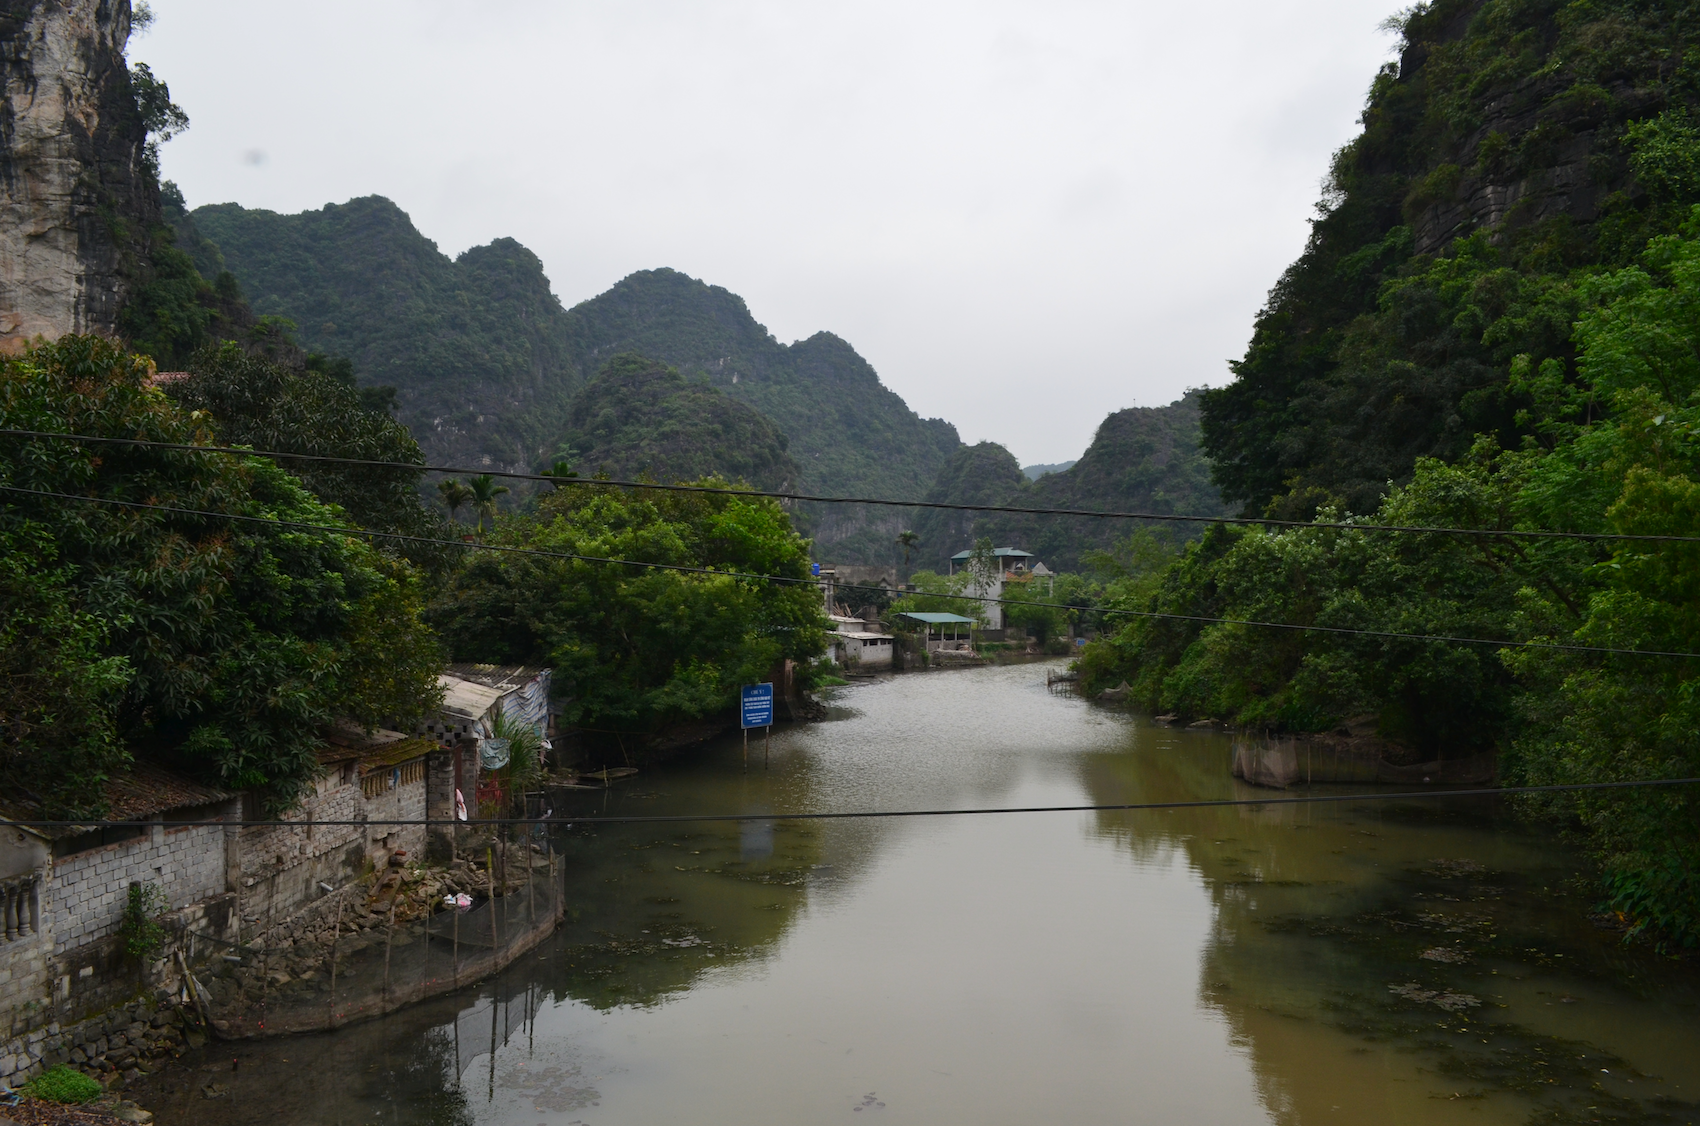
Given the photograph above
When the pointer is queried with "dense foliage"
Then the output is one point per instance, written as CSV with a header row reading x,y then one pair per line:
x,y
1432,360
257,403
1516,145
637,648
642,418
221,647
478,347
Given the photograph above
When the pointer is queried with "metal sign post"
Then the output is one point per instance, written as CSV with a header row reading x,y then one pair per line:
x,y
755,709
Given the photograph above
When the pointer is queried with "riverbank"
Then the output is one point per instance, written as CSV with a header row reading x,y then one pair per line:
x,y
370,950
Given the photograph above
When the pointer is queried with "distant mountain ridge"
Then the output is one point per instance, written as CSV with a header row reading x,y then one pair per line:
x,y
1034,472
1142,459
492,371
487,361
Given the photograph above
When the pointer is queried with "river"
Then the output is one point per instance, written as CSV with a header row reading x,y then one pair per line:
x,y
1362,962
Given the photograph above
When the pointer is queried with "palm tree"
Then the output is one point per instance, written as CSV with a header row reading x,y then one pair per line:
x,y
454,494
484,493
906,540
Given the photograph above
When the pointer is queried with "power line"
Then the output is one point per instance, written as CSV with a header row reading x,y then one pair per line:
x,y
782,579
669,818
1342,525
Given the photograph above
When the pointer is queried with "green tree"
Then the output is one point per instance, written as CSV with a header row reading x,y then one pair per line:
x,y
58,715
636,649
907,541
484,491
242,638
256,402
454,494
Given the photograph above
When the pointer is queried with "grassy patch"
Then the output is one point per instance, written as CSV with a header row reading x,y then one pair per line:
x,y
63,1085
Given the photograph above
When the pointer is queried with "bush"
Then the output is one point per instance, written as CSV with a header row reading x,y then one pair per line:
x,y
63,1085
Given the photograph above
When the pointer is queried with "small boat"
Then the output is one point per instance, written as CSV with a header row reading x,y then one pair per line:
x,y
612,774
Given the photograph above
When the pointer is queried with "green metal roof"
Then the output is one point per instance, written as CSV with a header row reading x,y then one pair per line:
x,y
938,619
997,552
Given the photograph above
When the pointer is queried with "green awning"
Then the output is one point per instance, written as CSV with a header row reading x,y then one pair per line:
x,y
939,619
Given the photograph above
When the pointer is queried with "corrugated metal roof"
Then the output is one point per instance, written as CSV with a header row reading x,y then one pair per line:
x,y
997,552
507,677
468,699
937,619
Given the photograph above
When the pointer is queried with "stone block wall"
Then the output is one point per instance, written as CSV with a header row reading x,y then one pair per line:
x,y
283,866
87,892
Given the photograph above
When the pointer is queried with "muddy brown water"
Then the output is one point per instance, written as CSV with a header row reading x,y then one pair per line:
x,y
1369,961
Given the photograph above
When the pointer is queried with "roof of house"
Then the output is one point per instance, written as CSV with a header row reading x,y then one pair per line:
x,y
468,699
998,552
142,792
147,789
862,636
937,619
505,677
379,749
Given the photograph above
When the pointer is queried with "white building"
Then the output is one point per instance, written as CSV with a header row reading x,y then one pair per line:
x,y
859,643
1011,561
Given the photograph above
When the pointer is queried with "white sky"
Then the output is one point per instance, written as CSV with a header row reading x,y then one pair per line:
x,y
1025,215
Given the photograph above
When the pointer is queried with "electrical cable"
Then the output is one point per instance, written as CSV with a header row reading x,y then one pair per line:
x,y
873,814
982,599
1343,525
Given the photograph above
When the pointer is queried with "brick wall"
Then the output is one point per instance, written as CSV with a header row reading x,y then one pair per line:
x,y
284,868
87,892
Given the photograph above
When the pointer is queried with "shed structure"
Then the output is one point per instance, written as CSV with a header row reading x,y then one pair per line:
x,y
946,632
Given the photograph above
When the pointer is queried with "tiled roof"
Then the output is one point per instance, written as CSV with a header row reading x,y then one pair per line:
x,y
394,754
379,749
147,789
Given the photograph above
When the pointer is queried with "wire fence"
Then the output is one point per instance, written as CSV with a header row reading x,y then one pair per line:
x,y
389,946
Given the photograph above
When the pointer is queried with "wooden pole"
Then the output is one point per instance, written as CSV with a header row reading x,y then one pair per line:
x,y
530,899
389,940
336,934
455,940
766,744
490,881
746,750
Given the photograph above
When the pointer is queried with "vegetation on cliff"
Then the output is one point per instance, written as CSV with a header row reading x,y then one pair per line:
x,y
640,418
1494,326
486,362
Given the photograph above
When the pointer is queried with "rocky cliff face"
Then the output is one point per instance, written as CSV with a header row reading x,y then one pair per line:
x,y
75,189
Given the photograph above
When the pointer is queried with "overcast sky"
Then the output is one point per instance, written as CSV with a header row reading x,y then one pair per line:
x,y
1025,215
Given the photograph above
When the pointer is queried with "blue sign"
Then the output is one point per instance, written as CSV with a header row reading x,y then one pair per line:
x,y
814,569
756,705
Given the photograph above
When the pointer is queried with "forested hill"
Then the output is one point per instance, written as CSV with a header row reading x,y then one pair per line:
x,y
486,361
1142,459
848,432
1512,148
478,347
640,418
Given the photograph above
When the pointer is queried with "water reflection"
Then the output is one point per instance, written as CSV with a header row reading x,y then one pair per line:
x,y
1255,964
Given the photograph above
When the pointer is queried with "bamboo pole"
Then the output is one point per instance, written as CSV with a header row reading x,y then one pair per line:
x,y
336,934
490,882
389,940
